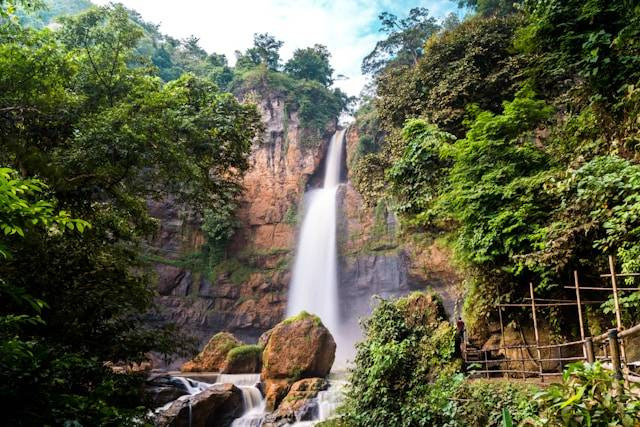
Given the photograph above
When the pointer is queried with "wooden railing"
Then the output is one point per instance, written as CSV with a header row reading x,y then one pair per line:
x,y
608,347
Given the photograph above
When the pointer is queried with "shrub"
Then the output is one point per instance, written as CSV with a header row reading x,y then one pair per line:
x,y
587,396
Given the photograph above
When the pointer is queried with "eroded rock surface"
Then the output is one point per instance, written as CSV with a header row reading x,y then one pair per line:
x,y
213,356
217,406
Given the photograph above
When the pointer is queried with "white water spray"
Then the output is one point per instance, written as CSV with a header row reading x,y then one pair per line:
x,y
314,285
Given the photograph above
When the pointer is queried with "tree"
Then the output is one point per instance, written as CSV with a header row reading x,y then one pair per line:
x,y
311,63
404,42
81,113
490,7
265,51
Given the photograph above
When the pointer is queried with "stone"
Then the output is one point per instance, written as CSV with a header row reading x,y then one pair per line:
x,y
298,347
274,392
217,406
245,359
299,403
213,356
162,389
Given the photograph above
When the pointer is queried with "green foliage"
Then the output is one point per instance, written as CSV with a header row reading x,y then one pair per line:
x,y
471,64
491,403
248,351
587,396
490,7
316,105
82,113
368,177
404,42
404,363
418,177
311,63
497,181
20,209
595,41
49,11
303,315
265,51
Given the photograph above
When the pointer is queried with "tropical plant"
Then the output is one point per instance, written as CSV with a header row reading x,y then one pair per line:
x,y
588,395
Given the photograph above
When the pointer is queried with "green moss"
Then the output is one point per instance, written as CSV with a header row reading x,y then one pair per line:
x,y
291,216
302,316
244,352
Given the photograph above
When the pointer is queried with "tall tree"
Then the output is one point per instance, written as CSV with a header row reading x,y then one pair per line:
x,y
265,50
404,42
311,63
81,113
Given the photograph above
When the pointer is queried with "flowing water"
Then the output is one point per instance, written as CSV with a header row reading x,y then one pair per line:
x,y
314,288
314,285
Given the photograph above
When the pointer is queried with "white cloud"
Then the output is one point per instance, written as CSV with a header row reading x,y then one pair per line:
x,y
347,27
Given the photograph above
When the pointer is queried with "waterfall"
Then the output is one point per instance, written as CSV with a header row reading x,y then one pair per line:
x,y
253,404
314,285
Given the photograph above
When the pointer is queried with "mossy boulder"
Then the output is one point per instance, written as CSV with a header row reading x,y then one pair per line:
x,y
213,356
297,348
244,359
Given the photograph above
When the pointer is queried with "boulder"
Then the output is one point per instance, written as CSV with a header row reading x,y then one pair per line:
x,y
245,359
162,389
217,406
274,392
298,347
299,403
213,356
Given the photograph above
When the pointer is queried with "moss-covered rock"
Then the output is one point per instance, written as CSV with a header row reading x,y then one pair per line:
x,y
297,348
245,359
213,356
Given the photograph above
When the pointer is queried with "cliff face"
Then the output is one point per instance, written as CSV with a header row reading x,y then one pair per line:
x,y
245,294
377,259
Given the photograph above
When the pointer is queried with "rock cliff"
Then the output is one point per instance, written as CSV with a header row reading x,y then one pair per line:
x,y
246,293
376,258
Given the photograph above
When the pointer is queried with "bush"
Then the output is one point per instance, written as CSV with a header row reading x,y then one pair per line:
x,y
405,362
587,396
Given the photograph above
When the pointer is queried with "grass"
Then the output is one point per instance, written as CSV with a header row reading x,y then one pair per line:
x,y
244,352
302,316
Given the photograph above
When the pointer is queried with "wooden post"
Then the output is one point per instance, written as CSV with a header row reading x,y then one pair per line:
x,y
579,303
535,330
614,285
524,376
588,348
486,363
502,344
614,348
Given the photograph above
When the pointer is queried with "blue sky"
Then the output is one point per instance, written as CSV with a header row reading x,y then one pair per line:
x,y
349,28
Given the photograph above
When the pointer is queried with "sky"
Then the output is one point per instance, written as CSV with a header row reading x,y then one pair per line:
x,y
349,28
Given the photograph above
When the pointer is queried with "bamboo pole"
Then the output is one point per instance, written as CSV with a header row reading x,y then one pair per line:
x,y
535,329
615,356
588,347
614,284
501,330
577,283
486,364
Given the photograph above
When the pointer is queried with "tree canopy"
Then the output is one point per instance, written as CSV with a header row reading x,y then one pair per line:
x,y
404,42
311,63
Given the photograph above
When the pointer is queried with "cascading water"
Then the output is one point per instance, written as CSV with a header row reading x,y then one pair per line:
x,y
253,404
314,285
